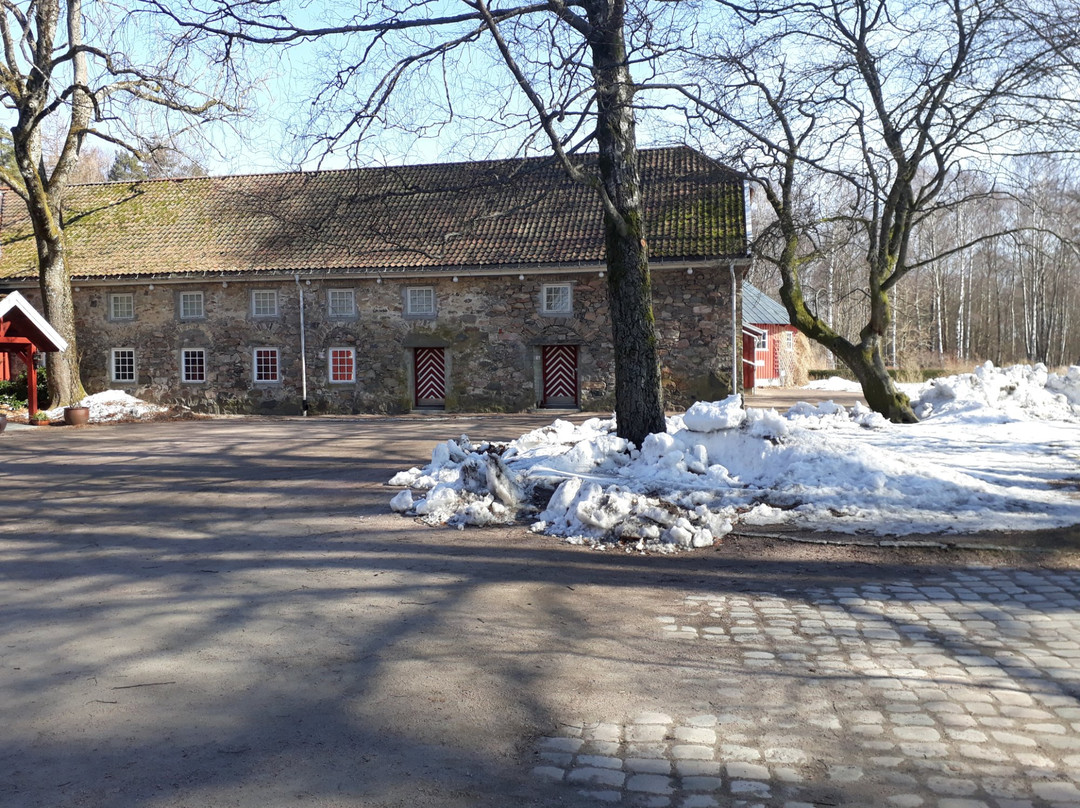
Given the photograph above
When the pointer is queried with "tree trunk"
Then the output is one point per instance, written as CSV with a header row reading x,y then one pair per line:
x,y
639,400
879,390
62,369
865,358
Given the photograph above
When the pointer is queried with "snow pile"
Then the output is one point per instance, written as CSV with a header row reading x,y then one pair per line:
x,y
1013,393
113,405
817,466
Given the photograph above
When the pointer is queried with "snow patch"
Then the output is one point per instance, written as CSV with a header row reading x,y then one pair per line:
x,y
990,454
113,405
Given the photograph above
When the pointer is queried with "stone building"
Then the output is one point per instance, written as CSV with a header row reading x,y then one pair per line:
x,y
470,286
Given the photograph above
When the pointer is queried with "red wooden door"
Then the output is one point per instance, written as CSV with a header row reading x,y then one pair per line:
x,y
748,366
560,375
430,375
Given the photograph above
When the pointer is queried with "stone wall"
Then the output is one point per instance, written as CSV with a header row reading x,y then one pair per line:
x,y
492,330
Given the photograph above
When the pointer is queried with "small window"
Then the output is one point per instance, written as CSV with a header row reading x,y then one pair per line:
x,y
191,306
342,365
267,366
340,303
264,303
123,365
556,298
761,341
122,306
420,301
193,365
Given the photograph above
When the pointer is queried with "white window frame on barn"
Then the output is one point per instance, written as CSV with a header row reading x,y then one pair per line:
x,y
264,303
557,298
122,306
192,306
193,372
255,372
349,357
340,303
127,378
413,297
761,341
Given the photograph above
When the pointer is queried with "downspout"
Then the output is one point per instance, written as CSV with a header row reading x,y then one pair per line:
x,y
303,352
734,330
736,325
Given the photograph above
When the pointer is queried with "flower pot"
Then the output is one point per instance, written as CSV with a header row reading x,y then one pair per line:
x,y
76,416
3,422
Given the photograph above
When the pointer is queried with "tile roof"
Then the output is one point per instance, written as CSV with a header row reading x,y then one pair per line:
x,y
759,309
514,213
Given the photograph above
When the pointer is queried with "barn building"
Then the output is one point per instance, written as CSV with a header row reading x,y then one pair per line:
x,y
466,286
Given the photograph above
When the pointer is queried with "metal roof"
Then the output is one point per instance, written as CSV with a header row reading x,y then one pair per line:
x,y
760,309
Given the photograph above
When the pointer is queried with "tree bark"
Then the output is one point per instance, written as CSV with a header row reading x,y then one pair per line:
x,y
865,358
62,369
638,391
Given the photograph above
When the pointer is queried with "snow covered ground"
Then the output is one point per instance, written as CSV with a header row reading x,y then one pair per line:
x,y
112,405
997,449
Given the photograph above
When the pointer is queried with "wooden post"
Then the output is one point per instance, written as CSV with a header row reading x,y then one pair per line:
x,y
31,380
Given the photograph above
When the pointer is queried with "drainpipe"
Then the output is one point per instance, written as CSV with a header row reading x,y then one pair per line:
x,y
734,331
303,352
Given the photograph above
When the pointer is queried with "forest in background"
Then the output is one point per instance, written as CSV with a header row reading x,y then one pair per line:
x,y
1012,297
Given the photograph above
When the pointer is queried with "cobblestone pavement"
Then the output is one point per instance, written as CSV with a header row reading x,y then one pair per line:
x,y
957,691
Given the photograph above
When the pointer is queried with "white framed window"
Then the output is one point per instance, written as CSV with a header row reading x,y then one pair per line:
x,y
555,298
122,306
342,365
761,341
266,365
789,340
340,303
123,364
193,365
264,303
191,306
420,301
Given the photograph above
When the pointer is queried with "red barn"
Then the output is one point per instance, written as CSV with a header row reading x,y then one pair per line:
x,y
768,341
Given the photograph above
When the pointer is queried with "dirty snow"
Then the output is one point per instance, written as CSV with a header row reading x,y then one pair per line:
x,y
112,405
997,449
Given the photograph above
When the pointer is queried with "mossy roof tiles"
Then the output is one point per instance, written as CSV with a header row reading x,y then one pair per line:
x,y
508,213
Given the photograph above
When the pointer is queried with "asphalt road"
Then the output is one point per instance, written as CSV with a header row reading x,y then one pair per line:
x,y
224,613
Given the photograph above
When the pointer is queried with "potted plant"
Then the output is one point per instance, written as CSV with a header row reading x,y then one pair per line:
x,y
39,418
76,416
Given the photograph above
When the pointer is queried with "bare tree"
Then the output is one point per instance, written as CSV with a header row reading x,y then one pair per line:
x,y
890,98
64,65
557,74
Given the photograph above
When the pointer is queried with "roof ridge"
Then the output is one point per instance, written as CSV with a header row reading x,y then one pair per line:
x,y
358,169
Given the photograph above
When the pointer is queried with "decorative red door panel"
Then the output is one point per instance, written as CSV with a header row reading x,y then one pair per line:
x,y
748,366
430,375
560,375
